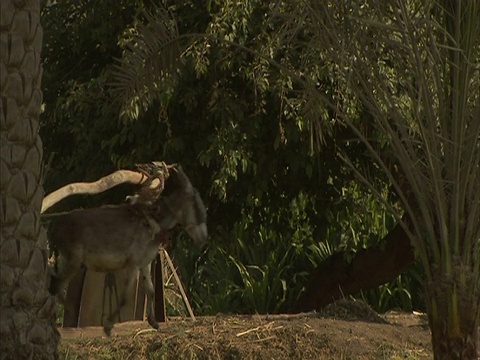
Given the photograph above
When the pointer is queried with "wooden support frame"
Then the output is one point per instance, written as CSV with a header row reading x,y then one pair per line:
x,y
164,253
80,311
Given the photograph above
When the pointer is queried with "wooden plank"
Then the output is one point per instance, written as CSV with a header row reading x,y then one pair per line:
x,y
96,302
140,301
158,285
73,298
87,305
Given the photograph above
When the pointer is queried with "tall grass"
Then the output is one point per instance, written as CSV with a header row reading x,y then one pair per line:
x,y
263,266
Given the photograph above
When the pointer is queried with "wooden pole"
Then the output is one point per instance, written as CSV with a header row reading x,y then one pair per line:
x,y
179,283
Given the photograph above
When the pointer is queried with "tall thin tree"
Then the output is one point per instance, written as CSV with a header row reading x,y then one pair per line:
x,y
414,66
27,310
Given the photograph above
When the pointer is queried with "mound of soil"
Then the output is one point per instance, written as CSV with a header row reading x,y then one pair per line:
x,y
342,331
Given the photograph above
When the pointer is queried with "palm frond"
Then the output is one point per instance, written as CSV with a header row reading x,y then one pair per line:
x,y
419,80
415,67
151,57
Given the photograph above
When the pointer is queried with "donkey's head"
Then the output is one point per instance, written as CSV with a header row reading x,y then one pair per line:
x,y
185,205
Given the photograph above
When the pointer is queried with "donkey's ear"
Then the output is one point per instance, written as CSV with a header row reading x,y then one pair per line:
x,y
183,180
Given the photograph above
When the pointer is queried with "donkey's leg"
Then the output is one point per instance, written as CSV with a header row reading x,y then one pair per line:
x,y
150,291
127,288
67,266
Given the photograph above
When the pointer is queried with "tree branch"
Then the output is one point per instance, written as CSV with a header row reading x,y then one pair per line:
x,y
336,278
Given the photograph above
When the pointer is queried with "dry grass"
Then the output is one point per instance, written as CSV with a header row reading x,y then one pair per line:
x,y
306,336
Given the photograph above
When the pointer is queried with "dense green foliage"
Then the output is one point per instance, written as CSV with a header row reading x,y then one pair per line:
x,y
243,130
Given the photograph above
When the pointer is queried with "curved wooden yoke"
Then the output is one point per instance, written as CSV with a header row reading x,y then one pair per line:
x,y
153,175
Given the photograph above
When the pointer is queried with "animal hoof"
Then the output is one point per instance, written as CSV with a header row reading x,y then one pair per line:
x,y
153,324
107,329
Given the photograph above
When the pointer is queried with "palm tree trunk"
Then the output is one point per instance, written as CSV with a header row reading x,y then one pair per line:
x,y
27,326
453,316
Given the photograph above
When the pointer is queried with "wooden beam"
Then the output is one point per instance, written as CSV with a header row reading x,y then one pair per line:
x,y
159,286
73,299
179,284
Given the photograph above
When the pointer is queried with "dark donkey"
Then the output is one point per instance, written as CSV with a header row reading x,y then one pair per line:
x,y
112,238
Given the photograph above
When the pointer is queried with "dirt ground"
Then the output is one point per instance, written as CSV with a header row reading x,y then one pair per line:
x,y
342,331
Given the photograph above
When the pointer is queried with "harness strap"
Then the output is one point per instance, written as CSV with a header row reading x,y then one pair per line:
x,y
152,223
